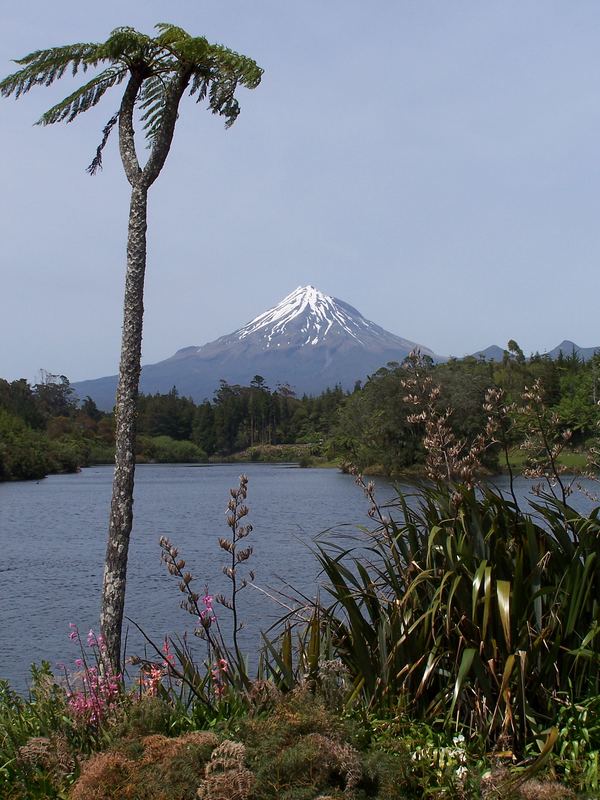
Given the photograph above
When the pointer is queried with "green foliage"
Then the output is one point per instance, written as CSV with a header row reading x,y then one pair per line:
x,y
425,761
24,453
470,610
372,429
577,755
165,450
38,740
212,72
42,430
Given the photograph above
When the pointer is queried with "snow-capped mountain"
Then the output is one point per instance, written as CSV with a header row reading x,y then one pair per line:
x,y
309,340
308,318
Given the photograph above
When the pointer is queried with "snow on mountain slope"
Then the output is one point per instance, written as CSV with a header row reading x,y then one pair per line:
x,y
309,318
318,312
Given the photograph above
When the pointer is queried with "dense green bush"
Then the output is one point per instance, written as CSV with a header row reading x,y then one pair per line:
x,y
469,610
165,450
24,452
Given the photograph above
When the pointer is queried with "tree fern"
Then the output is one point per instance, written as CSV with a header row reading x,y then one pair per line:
x,y
158,71
212,71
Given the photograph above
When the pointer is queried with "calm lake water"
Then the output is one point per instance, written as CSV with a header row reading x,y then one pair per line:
x,y
53,538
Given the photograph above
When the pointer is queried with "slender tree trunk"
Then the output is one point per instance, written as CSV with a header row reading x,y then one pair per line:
x,y
121,510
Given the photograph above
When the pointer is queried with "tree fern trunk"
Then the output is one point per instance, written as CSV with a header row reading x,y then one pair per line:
x,y
121,510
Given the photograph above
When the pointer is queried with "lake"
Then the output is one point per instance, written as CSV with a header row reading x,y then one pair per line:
x,y
53,538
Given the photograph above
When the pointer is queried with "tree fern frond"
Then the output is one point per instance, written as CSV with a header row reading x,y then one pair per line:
x,y
170,33
193,50
245,70
173,55
199,84
152,88
43,67
97,160
152,105
223,102
83,98
126,45
219,76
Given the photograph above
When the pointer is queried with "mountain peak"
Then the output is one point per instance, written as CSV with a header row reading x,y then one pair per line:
x,y
309,341
304,317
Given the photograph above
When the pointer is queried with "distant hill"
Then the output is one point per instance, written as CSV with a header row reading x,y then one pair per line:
x,y
491,353
566,347
309,340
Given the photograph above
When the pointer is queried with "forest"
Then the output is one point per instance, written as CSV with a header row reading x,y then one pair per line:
x,y
45,428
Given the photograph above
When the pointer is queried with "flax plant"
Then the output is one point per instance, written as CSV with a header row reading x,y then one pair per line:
x,y
237,509
460,606
543,443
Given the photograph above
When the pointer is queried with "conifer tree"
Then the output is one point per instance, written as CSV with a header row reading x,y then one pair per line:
x,y
156,72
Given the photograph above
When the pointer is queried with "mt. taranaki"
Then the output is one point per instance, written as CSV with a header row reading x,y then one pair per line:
x,y
309,340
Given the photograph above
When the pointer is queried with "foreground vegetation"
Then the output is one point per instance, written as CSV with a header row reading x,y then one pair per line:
x,y
454,651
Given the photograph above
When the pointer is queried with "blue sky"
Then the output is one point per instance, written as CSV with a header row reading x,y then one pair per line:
x,y
434,164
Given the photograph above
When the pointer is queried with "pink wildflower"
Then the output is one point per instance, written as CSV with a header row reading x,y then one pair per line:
x,y
217,673
169,657
151,678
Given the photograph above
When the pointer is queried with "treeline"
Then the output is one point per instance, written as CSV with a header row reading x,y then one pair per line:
x,y
44,428
241,417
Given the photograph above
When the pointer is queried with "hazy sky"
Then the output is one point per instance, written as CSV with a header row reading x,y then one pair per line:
x,y
435,164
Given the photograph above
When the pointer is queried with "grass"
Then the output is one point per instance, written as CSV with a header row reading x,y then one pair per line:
x,y
572,459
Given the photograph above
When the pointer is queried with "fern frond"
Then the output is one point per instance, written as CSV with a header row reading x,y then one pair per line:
x,y
126,45
229,63
97,160
83,98
199,84
152,105
222,100
219,76
214,72
43,67
169,34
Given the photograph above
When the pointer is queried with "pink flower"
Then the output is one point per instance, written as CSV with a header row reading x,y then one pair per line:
x,y
206,618
218,671
169,657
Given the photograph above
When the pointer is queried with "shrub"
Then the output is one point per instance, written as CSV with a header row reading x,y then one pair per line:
x,y
165,450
